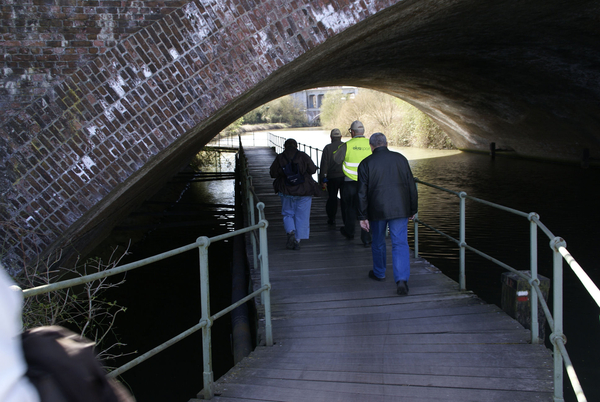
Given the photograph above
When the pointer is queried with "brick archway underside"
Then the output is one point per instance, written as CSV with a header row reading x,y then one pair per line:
x,y
525,75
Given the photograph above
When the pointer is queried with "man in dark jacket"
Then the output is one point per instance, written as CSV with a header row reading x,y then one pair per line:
x,y
387,196
296,199
331,175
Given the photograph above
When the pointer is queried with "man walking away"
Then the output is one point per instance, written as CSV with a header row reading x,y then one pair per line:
x,y
331,175
296,191
387,195
350,154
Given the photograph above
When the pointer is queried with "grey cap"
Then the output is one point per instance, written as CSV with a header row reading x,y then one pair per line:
x,y
356,126
290,143
335,133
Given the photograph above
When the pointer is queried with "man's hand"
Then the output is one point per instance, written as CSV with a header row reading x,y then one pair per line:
x,y
365,225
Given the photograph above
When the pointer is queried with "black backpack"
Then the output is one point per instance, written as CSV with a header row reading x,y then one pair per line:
x,y
293,177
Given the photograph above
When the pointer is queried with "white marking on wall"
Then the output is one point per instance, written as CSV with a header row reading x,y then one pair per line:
x,y
200,27
117,83
174,54
107,110
106,25
147,72
92,130
88,162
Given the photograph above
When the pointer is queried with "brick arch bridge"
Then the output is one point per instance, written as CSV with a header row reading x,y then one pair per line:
x,y
525,75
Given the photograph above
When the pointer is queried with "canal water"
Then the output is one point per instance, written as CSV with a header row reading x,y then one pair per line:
x,y
163,299
564,196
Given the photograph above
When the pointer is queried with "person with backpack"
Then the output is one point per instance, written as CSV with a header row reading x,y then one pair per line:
x,y
292,170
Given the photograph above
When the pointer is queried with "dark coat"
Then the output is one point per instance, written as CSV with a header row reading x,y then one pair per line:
x,y
386,187
63,367
305,165
329,166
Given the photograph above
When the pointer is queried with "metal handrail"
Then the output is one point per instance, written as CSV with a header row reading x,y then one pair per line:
x,y
558,246
560,252
202,243
277,142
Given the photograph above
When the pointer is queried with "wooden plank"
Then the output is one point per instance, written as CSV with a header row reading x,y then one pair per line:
x,y
340,336
284,390
448,380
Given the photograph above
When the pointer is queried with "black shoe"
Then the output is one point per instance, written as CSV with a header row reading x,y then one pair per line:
x,y
402,288
291,239
372,276
368,244
346,234
331,222
296,245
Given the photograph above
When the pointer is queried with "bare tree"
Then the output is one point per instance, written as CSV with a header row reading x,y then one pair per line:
x,y
402,123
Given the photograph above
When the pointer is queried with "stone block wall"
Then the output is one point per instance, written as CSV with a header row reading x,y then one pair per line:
x,y
44,41
142,106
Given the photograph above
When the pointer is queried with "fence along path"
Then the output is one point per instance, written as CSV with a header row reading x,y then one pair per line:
x,y
340,336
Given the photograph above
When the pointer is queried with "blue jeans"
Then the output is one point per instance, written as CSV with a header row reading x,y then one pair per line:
x,y
296,214
400,250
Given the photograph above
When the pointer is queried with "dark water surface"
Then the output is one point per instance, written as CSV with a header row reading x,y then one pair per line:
x,y
565,197
163,299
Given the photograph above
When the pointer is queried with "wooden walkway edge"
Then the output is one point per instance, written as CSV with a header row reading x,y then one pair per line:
x,y
340,336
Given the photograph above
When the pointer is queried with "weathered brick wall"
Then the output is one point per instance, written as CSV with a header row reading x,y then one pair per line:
x,y
141,106
44,41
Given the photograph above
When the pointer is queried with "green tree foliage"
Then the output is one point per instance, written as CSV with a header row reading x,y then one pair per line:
x,y
330,109
281,110
402,123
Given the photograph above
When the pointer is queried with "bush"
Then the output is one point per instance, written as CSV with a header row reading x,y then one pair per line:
x,y
281,110
82,309
402,123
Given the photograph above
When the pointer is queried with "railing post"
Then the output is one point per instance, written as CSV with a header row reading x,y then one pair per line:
x,y
252,219
462,276
208,390
264,275
535,328
416,218
557,331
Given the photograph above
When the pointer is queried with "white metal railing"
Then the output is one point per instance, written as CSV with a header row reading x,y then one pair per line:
x,y
313,152
560,252
259,243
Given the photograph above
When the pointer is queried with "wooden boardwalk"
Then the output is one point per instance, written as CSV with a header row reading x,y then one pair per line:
x,y
340,336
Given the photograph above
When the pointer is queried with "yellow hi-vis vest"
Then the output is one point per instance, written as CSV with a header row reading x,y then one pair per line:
x,y
357,149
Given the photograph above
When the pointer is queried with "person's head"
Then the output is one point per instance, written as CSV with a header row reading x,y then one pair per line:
x,y
335,134
356,128
290,143
377,140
